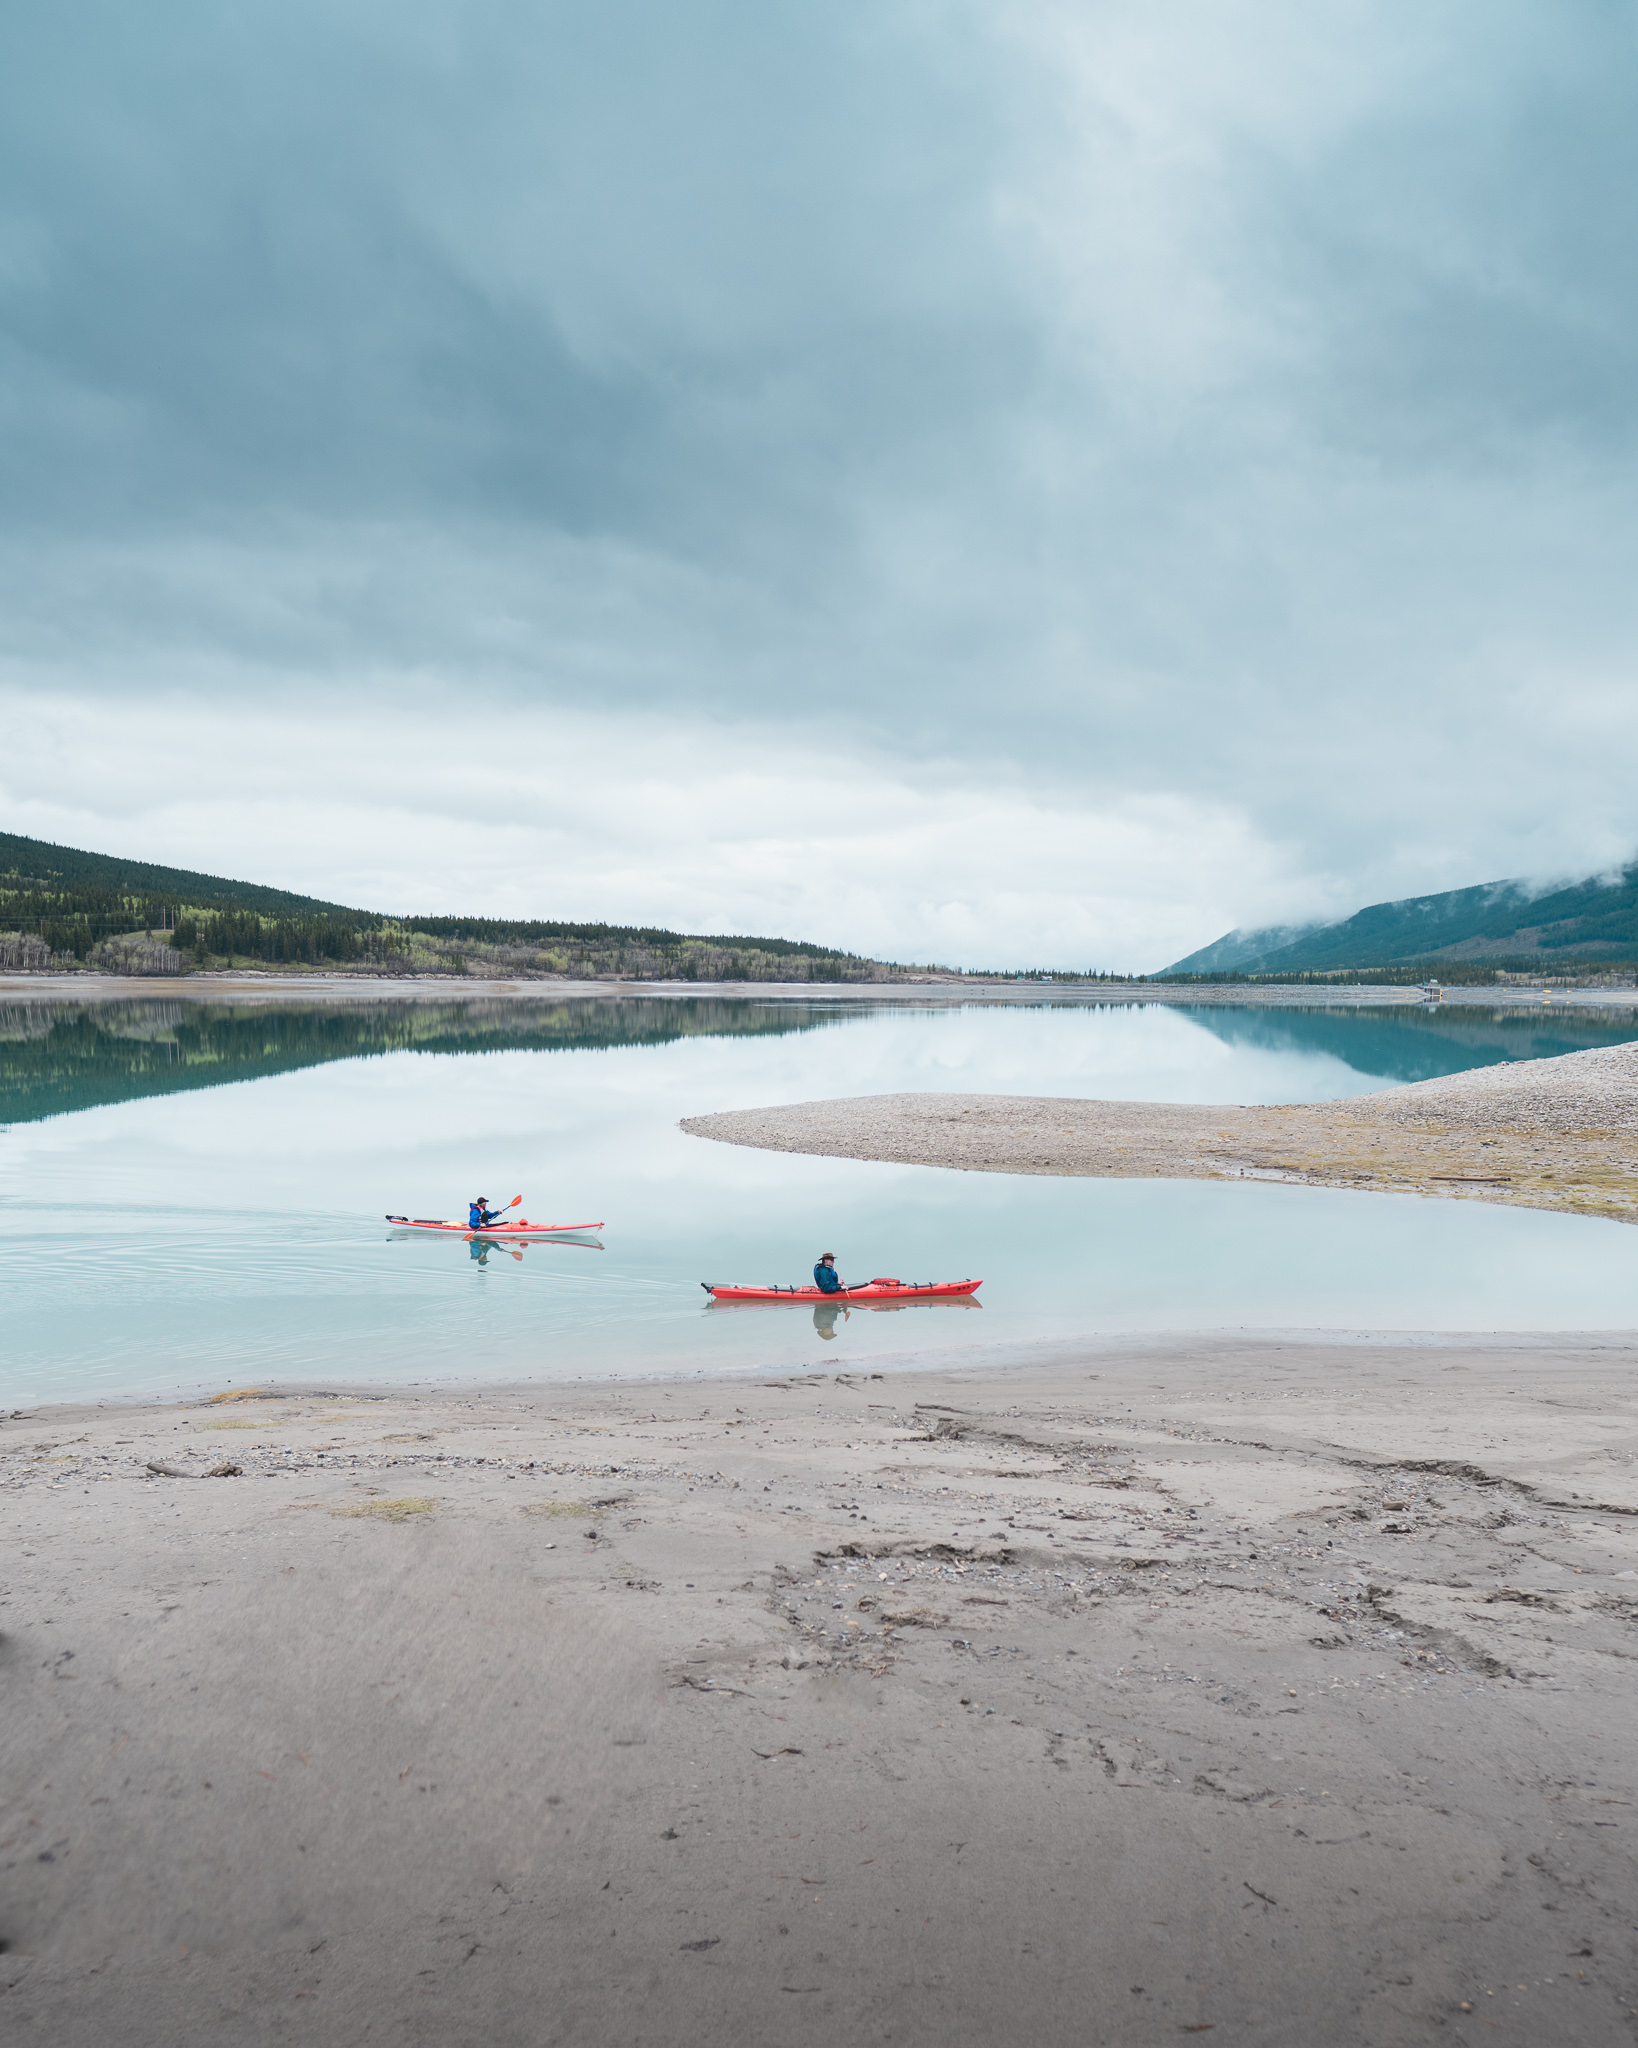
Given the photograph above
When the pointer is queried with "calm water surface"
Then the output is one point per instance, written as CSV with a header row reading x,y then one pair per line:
x,y
194,1195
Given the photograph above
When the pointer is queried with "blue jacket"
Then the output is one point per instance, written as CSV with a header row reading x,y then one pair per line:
x,y
824,1278
477,1217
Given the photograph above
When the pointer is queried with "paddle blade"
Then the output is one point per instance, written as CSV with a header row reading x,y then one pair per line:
x,y
514,1201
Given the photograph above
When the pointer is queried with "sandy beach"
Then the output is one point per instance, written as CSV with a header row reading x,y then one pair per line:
x,y
1543,1134
1103,1694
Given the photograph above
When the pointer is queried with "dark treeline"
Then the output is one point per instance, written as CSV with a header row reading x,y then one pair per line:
x,y
498,931
59,1057
1075,975
252,935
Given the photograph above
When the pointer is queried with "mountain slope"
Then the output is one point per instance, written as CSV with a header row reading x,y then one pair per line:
x,y
1513,921
1242,952
61,907
67,870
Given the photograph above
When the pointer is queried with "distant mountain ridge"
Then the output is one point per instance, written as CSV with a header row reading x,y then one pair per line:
x,y
1506,922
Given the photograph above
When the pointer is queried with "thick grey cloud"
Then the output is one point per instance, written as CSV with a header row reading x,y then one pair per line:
x,y
530,262
1229,406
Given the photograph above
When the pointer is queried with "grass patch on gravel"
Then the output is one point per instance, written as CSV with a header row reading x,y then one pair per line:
x,y
391,1510
560,1507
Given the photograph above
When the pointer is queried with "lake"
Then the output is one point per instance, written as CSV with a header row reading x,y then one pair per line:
x,y
194,1194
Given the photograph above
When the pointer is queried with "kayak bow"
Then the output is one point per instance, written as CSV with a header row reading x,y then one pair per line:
x,y
869,1290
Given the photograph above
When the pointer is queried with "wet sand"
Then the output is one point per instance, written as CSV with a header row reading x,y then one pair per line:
x,y
1543,1134
1121,1691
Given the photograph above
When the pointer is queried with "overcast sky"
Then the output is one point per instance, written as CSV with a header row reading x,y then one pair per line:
x,y
1001,483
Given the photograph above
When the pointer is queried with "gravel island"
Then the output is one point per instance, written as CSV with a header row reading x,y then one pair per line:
x,y
1545,1134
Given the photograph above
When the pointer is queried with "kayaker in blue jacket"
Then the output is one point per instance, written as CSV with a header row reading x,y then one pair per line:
x,y
824,1274
479,1215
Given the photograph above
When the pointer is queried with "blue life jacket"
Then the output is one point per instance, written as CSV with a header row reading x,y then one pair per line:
x,y
824,1278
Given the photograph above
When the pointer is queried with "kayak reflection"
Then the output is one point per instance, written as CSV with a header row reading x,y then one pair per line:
x,y
825,1313
479,1246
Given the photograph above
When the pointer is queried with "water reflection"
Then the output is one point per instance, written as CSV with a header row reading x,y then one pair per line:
x,y
59,1057
211,1233
479,1247
826,1312
1403,1042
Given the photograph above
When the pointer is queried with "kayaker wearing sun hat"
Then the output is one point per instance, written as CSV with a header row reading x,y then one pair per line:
x,y
824,1274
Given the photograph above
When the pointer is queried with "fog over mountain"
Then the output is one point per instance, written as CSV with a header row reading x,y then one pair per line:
x,y
1020,484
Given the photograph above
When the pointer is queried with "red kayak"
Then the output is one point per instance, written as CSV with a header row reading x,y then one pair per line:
x,y
868,1290
519,1229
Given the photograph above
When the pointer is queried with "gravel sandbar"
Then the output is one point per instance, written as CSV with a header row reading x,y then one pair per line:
x,y
1544,1134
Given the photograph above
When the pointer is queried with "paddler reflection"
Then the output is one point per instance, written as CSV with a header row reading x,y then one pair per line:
x,y
481,1247
824,1319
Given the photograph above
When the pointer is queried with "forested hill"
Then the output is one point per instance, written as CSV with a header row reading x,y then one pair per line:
x,y
1590,923
62,908
68,874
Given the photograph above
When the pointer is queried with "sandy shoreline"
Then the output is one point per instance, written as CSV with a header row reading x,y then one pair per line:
x,y
1544,1134
1274,1688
